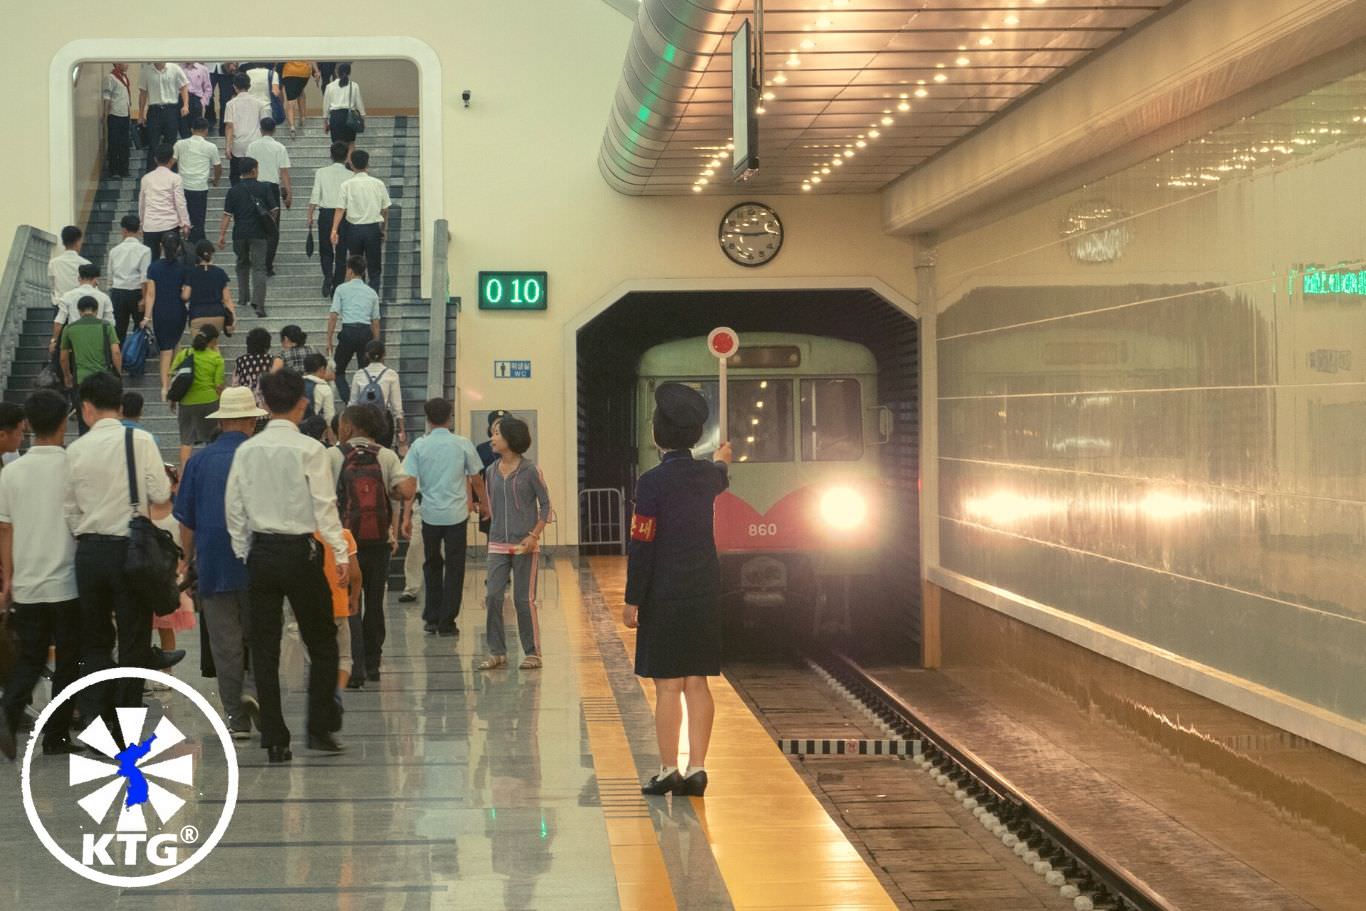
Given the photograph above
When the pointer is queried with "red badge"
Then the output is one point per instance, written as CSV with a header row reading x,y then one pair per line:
x,y
642,528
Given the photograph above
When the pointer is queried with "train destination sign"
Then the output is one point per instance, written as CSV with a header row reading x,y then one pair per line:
x,y
512,290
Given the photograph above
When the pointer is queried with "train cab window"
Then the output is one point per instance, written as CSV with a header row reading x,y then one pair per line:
x,y
760,422
832,420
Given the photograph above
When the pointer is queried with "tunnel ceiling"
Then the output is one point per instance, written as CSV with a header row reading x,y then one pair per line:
x,y
876,85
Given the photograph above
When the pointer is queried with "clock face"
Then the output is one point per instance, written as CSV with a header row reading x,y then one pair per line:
x,y
751,234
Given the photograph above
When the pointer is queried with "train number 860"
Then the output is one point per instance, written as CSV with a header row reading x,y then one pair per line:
x,y
763,529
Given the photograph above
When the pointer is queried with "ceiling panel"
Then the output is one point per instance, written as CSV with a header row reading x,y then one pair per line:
x,y
892,82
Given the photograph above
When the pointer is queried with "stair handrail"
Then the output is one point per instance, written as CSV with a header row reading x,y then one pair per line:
x,y
24,280
436,329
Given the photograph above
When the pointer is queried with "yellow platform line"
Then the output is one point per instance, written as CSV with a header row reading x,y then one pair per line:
x,y
642,876
774,843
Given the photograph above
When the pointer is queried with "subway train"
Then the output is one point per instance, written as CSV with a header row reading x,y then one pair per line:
x,y
802,510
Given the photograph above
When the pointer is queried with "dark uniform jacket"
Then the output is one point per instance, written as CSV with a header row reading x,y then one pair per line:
x,y
672,550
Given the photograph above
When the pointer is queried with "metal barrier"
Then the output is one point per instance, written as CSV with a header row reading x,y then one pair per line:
x,y
24,285
602,518
436,327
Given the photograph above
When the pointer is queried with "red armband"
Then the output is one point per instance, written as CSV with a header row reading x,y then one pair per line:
x,y
642,528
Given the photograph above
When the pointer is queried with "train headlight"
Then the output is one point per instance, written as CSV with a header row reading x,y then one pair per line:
x,y
843,508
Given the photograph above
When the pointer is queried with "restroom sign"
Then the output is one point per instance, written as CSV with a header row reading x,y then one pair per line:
x,y
512,370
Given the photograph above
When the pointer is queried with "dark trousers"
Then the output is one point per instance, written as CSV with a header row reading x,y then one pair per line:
x,y
443,574
281,567
118,138
153,241
332,260
234,170
367,627
214,112
163,126
196,110
197,204
127,306
365,240
274,242
251,271
112,614
350,341
37,626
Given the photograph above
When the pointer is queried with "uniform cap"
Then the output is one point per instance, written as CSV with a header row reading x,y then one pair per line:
x,y
496,415
681,405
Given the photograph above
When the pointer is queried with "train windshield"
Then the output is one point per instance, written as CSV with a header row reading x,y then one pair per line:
x,y
760,422
832,420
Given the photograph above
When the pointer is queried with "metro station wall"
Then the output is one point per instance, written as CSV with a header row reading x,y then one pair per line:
x,y
521,183
1170,448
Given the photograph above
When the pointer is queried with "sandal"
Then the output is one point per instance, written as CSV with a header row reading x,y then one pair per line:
x,y
530,663
492,662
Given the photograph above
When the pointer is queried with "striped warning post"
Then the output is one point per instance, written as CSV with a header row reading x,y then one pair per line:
x,y
855,747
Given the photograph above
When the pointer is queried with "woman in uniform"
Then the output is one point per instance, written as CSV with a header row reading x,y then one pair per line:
x,y
673,585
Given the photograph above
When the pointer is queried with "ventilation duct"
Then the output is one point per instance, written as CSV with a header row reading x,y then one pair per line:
x,y
671,47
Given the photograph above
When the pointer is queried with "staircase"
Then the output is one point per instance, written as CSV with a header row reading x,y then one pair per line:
x,y
295,291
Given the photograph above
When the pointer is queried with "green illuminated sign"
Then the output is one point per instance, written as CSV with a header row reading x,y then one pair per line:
x,y
512,290
1330,281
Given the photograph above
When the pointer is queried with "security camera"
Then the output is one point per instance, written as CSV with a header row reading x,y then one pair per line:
x,y
465,97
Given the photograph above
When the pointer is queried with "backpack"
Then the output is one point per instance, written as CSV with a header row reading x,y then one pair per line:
x,y
372,393
362,499
135,347
182,379
310,390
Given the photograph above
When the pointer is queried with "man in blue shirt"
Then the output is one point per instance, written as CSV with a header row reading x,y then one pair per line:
x,y
356,306
223,599
443,463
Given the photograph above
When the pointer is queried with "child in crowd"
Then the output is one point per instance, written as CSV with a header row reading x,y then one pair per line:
x,y
345,604
322,402
182,618
519,503
11,431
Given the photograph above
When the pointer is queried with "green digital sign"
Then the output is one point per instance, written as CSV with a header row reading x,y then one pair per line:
x,y
512,290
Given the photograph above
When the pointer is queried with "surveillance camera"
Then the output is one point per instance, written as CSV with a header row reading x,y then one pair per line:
x,y
465,97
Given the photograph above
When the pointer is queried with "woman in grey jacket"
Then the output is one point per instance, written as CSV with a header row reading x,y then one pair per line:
x,y
519,504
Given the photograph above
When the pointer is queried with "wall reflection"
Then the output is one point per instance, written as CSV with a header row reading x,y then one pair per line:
x,y
1170,439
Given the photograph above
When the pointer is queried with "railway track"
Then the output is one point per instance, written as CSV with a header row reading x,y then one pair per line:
x,y
1084,875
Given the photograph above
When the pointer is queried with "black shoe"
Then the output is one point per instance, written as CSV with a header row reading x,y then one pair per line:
x,y
279,754
695,785
161,660
327,288
407,598
448,631
259,311
61,747
8,745
429,629
270,272
372,675
669,785
355,683
324,743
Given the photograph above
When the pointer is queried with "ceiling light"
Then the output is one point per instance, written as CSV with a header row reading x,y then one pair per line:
x,y
1012,19
769,96
962,61
861,144
939,66
701,181
794,60
760,109
708,172
697,189
822,22
940,77
887,121
808,44
904,95
780,78
874,134
985,41
806,187
848,153
815,180
825,170
904,106
837,162
730,146
921,93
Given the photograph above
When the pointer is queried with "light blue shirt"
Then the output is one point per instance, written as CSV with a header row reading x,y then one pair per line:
x,y
355,302
440,461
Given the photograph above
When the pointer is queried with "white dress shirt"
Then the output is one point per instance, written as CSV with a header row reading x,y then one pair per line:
x,y
364,198
162,86
67,311
97,486
341,96
387,377
161,200
127,264
271,156
324,399
195,157
32,500
281,483
244,112
260,84
63,271
117,94
327,184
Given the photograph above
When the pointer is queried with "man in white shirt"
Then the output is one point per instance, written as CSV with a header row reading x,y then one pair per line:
x,y
89,286
161,202
97,512
280,491
365,210
199,164
63,270
38,572
325,198
163,98
242,120
117,95
127,267
272,160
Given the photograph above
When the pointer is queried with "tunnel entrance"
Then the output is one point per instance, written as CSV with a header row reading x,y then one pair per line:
x,y
884,602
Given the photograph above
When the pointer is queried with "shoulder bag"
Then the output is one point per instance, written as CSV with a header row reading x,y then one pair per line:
x,y
355,120
152,552
277,106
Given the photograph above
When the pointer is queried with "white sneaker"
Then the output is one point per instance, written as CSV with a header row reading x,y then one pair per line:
x,y
492,662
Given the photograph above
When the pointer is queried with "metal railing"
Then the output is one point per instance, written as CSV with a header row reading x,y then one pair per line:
x,y
602,518
24,285
436,325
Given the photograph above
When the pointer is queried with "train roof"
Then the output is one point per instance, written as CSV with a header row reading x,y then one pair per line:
x,y
819,355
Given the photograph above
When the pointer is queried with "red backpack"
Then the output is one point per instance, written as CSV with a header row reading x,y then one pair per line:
x,y
362,499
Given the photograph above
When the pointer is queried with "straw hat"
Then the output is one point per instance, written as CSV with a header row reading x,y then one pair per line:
x,y
237,402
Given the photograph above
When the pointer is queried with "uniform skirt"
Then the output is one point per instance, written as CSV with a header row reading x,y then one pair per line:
x,y
336,121
679,639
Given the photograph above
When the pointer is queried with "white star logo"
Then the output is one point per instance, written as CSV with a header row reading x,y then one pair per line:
x,y
178,770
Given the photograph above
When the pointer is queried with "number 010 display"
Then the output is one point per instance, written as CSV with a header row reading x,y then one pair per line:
x,y
512,290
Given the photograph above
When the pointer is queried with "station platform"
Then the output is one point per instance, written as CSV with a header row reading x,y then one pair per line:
x,y
511,789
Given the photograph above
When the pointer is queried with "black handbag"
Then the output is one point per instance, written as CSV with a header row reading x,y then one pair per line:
x,y
152,552
355,120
